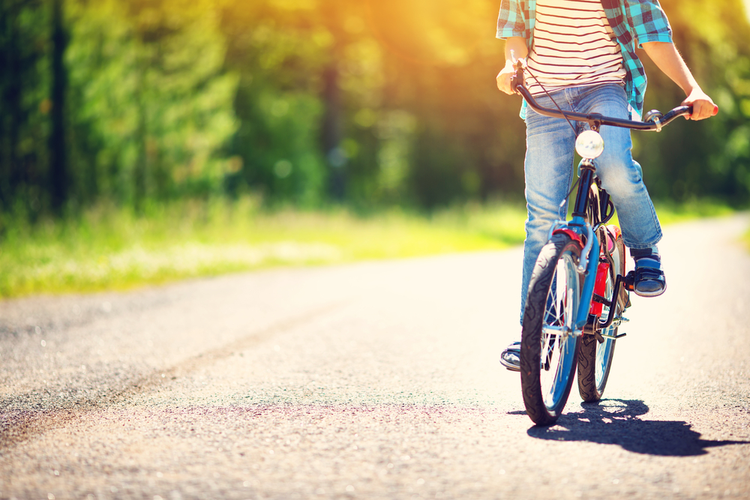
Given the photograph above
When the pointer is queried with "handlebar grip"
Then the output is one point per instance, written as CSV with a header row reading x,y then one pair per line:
x,y
513,83
517,78
681,110
678,111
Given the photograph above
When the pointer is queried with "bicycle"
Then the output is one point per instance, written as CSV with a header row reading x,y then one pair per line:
x,y
579,289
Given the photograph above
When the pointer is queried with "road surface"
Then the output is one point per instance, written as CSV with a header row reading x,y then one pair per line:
x,y
376,380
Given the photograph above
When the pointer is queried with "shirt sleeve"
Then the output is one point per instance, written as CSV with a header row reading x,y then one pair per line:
x,y
512,20
648,20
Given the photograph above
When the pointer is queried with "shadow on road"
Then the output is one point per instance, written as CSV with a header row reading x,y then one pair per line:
x,y
617,422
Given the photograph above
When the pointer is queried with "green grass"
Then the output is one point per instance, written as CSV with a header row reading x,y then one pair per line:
x,y
108,248
671,213
112,249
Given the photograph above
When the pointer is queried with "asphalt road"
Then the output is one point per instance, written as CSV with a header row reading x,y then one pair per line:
x,y
373,381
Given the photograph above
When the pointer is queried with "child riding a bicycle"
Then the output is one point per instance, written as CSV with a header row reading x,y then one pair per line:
x,y
581,57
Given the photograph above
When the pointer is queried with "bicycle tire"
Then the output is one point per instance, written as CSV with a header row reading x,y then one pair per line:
x,y
549,319
595,355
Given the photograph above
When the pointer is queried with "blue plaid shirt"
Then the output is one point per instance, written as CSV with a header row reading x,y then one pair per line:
x,y
633,21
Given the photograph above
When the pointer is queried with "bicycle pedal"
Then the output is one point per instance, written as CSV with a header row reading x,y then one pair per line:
x,y
629,281
611,337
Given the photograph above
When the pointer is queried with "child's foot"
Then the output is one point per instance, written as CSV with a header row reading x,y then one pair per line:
x,y
510,358
649,276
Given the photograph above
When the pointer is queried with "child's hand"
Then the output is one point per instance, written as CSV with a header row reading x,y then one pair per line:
x,y
703,106
503,78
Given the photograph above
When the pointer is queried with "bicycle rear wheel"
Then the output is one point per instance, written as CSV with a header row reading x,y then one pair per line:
x,y
595,354
549,347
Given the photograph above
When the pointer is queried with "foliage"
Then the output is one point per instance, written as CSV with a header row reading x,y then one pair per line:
x,y
303,102
712,157
152,100
24,103
276,145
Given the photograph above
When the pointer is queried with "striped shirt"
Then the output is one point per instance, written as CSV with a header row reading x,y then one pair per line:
x,y
573,46
633,21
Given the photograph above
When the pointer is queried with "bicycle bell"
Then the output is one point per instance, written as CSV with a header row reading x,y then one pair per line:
x,y
589,144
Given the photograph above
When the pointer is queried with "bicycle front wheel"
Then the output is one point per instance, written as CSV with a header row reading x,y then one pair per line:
x,y
548,343
595,355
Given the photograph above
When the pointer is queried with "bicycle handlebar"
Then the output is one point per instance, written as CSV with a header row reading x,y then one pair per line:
x,y
654,119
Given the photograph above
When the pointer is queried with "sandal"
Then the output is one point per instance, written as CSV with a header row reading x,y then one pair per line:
x,y
649,277
511,357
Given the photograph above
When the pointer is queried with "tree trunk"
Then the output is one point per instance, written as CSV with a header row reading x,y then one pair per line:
x,y
332,130
58,167
10,101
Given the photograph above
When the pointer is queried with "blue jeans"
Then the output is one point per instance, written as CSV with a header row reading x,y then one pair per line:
x,y
550,149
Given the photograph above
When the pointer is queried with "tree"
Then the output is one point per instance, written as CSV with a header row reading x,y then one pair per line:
x,y
58,167
23,104
152,97
712,157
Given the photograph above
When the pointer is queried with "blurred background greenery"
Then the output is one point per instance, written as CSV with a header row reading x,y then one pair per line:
x,y
369,105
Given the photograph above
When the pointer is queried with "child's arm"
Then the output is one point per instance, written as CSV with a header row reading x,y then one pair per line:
x,y
670,62
518,46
